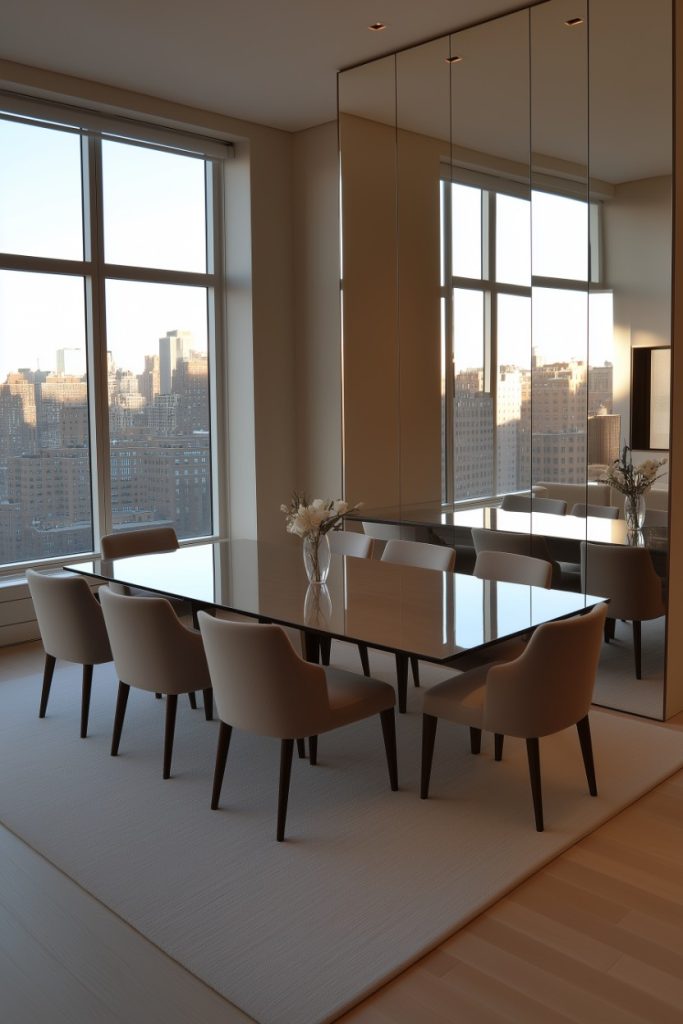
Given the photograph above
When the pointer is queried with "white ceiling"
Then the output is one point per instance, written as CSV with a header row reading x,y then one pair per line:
x,y
273,62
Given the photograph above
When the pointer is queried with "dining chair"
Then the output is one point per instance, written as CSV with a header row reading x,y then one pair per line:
x,y
71,628
153,651
345,542
529,544
262,686
547,689
505,567
148,540
422,555
627,577
523,503
599,511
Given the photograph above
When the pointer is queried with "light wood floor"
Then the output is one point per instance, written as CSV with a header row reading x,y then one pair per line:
x,y
596,936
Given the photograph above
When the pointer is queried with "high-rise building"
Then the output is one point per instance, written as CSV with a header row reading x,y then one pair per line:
x,y
71,361
175,345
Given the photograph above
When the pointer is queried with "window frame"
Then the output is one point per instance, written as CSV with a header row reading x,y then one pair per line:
x,y
93,129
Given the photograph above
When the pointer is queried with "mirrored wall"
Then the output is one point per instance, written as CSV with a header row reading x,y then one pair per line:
x,y
507,234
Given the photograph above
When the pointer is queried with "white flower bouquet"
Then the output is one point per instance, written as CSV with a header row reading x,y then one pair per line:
x,y
318,517
633,480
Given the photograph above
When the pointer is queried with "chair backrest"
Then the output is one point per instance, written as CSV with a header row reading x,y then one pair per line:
x,y
550,686
510,568
419,553
260,684
69,618
523,503
139,542
656,517
152,649
626,576
601,511
346,543
515,543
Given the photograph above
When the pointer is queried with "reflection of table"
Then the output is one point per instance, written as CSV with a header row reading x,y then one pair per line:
x,y
433,616
449,525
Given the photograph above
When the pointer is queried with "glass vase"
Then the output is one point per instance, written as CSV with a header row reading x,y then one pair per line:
x,y
634,511
316,551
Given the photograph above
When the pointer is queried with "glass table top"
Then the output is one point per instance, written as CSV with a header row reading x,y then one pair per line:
x,y
434,615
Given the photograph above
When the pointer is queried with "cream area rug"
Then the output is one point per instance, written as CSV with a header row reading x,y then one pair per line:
x,y
367,881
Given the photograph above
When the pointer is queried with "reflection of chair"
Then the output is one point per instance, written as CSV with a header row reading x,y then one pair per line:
x,y
343,542
528,544
71,628
547,689
600,511
423,556
262,686
127,543
523,503
153,651
627,577
512,568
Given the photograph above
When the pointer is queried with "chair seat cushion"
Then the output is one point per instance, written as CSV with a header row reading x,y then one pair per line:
x,y
460,699
353,696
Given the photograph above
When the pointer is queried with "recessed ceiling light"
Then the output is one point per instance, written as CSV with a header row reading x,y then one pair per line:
x,y
573,22
378,26
452,60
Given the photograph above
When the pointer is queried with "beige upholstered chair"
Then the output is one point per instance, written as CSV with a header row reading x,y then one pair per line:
x,y
72,629
146,541
153,651
547,689
627,577
424,556
523,503
530,545
343,542
512,568
262,686
600,511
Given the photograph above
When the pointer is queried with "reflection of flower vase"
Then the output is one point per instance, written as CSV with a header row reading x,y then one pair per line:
x,y
316,556
317,606
634,511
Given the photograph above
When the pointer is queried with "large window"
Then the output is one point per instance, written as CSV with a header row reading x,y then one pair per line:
x,y
521,386
109,305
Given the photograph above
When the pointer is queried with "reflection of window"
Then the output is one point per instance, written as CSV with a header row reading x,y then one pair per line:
x,y
107,298
515,374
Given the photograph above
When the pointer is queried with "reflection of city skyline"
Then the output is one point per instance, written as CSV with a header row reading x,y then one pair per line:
x,y
159,444
551,421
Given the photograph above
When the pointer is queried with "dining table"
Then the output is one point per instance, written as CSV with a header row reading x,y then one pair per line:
x,y
410,612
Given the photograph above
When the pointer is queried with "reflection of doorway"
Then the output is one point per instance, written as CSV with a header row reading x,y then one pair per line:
x,y
650,397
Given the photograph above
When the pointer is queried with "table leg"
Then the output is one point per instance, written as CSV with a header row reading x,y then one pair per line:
x,y
402,680
312,647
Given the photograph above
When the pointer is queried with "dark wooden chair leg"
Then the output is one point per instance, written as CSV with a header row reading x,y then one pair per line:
x,y
534,758
224,735
86,690
286,753
313,749
637,647
415,666
208,703
429,724
193,700
325,649
301,749
402,681
194,609
169,732
48,672
388,720
364,658
584,730
475,740
609,629
119,715
498,746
